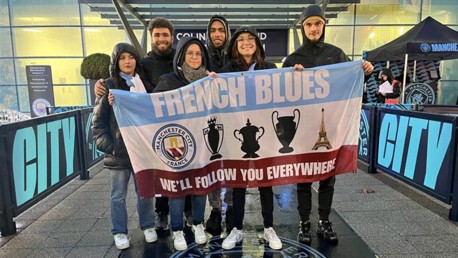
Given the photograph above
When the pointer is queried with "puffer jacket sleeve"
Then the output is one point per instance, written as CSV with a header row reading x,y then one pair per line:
x,y
101,129
167,82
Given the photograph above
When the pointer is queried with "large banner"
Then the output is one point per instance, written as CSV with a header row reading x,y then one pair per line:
x,y
250,129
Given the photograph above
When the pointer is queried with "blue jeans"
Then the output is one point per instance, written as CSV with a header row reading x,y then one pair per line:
x,y
119,182
176,206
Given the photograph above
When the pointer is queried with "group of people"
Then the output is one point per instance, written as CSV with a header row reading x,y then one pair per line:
x,y
164,69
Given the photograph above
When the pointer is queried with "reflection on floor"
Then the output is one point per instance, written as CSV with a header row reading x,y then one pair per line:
x,y
286,224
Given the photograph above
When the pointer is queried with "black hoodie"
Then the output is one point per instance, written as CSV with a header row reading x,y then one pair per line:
x,y
312,54
155,65
218,55
176,79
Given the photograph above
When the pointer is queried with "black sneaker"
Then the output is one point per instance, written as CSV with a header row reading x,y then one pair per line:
x,y
229,219
304,235
325,231
162,221
213,225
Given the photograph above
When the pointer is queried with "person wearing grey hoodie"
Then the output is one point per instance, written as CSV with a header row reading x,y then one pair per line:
x,y
218,37
217,41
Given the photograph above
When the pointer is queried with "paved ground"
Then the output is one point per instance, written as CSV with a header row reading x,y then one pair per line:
x,y
393,221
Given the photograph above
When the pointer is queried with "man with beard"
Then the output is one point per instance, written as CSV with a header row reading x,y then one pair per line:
x,y
157,62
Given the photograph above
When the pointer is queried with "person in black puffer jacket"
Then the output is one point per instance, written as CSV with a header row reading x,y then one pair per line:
x,y
247,54
125,75
190,64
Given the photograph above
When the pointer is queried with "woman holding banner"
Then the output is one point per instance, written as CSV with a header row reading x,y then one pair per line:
x,y
247,54
190,63
125,75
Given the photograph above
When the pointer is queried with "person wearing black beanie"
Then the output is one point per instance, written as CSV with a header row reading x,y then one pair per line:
x,y
315,52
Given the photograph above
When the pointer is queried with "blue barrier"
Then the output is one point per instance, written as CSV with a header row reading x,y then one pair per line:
x,y
40,155
418,148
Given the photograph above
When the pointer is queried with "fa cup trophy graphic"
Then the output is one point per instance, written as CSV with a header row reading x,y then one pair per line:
x,y
249,140
213,136
285,129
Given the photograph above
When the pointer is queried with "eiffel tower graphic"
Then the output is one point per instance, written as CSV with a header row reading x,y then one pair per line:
x,y
322,138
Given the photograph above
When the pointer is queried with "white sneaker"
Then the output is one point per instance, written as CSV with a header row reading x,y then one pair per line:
x,y
271,237
233,238
150,235
199,234
178,240
121,241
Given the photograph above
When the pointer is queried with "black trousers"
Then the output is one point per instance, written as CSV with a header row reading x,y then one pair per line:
x,y
267,206
325,194
162,205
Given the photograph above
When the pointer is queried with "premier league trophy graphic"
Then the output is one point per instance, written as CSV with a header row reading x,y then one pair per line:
x,y
285,129
249,141
213,136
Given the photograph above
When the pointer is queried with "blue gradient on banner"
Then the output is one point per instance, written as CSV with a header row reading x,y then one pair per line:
x,y
256,90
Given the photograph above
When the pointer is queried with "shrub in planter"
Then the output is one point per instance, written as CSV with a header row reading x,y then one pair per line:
x,y
95,66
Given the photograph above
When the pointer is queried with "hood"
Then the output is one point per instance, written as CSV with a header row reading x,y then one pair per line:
x,y
117,51
250,30
313,10
182,45
209,42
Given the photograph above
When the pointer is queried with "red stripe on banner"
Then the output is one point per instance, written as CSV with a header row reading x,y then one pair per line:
x,y
281,170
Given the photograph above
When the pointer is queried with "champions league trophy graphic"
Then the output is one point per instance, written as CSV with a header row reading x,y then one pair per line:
x,y
249,142
322,138
285,129
213,136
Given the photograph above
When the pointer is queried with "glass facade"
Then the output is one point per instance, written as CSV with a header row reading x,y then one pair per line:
x,y
60,33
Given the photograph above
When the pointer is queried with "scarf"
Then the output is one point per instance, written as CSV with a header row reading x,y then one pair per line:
x,y
193,74
135,83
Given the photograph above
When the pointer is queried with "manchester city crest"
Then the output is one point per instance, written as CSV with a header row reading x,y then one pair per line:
x,y
174,145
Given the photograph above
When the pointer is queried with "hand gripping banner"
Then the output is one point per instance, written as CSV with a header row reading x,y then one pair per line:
x,y
246,129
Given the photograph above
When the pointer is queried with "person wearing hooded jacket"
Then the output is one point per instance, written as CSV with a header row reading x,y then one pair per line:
x,y
389,97
247,54
217,40
315,52
190,63
157,62
125,75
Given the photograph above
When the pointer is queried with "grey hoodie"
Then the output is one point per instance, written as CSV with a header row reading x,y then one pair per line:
x,y
218,56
